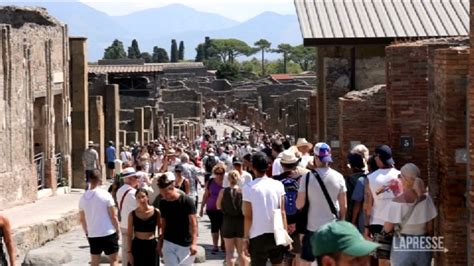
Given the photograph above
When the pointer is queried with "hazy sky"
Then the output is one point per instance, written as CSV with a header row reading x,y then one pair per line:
x,y
236,9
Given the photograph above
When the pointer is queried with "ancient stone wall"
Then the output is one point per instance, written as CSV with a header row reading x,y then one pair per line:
x,y
34,64
448,168
407,100
362,119
183,103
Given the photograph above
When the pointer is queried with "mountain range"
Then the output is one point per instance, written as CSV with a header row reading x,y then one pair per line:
x,y
157,26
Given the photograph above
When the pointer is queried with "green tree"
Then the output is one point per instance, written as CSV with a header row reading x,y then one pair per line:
x,y
174,51
252,66
200,53
229,49
284,49
304,56
229,71
134,51
159,55
181,51
115,51
263,45
278,67
146,56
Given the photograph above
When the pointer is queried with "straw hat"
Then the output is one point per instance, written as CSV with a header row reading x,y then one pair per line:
x,y
289,157
303,142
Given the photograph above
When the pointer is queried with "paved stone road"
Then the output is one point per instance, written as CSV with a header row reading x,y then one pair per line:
x,y
76,243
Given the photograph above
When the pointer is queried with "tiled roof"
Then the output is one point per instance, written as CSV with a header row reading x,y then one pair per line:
x,y
281,77
145,68
125,68
361,19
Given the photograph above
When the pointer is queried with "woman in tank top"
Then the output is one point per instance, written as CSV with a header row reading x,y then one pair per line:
x,y
417,208
230,202
209,200
143,225
6,237
180,182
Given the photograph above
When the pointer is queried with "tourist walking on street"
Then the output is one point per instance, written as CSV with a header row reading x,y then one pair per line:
x,y
180,182
192,173
261,197
110,156
304,147
380,189
6,237
143,224
244,176
143,159
126,155
414,211
90,161
126,204
99,221
178,241
209,200
230,202
324,190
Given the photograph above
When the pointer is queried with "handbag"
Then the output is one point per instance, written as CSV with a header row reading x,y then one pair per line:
x,y
281,235
385,239
302,220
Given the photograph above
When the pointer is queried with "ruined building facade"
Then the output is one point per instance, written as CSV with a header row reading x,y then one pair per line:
x,y
34,102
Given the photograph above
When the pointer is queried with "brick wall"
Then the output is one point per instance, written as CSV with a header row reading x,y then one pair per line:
x,y
362,120
447,179
470,132
313,119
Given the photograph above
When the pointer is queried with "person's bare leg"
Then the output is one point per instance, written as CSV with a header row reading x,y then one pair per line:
x,y
229,252
215,240
95,260
239,244
113,258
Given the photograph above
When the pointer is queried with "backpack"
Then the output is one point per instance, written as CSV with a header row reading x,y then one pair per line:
x,y
211,161
291,186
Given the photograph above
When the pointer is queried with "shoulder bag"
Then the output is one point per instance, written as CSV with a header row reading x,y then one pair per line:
x,y
326,195
386,239
302,220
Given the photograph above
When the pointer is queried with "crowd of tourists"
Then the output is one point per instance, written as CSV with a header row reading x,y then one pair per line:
x,y
268,198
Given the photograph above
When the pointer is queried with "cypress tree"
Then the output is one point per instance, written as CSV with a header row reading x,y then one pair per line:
x,y
181,51
174,51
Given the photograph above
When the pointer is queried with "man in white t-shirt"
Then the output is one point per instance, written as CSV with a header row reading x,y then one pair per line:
x,y
260,198
277,152
380,189
127,203
319,212
245,176
99,221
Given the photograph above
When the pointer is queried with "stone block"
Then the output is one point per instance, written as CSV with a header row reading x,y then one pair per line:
x,y
46,257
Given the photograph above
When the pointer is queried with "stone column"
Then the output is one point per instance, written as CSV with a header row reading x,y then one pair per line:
x,y
170,124
80,108
96,129
148,121
50,139
139,122
112,114
122,139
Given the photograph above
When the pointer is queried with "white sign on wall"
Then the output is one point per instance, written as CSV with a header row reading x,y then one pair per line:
x,y
58,77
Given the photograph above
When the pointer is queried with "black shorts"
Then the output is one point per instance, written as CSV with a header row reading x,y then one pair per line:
x,y
107,244
88,175
375,229
111,165
216,217
263,248
306,248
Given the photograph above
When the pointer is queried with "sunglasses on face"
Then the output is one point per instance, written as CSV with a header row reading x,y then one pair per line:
x,y
220,173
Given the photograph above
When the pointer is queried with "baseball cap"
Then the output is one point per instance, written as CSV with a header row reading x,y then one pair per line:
x,y
237,160
384,153
323,151
341,236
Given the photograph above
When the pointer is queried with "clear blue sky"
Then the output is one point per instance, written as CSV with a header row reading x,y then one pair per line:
x,y
236,9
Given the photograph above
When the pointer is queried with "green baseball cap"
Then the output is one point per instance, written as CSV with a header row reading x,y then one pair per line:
x,y
341,236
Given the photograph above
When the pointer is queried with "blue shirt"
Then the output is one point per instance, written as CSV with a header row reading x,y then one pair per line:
x,y
110,153
358,196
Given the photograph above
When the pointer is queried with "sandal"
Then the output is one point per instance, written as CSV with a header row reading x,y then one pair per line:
x,y
214,250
